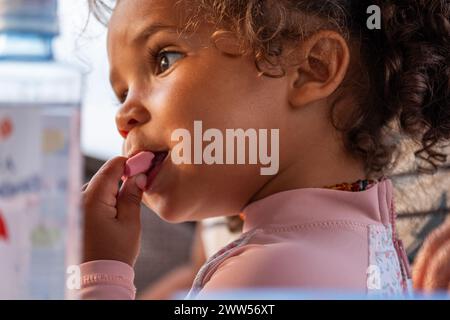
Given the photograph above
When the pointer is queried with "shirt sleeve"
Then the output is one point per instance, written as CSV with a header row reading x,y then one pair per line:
x,y
107,280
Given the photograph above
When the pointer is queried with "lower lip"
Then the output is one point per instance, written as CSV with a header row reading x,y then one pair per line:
x,y
153,173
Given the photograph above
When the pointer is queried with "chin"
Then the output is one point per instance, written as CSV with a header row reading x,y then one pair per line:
x,y
166,212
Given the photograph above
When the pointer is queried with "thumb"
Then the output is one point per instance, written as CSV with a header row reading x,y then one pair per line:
x,y
130,197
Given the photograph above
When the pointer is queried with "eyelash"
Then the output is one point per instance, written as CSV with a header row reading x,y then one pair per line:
x,y
121,100
155,55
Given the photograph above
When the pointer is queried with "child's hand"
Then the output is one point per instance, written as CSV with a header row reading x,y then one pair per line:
x,y
112,224
432,267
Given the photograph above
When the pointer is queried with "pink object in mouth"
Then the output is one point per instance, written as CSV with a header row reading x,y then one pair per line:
x,y
139,163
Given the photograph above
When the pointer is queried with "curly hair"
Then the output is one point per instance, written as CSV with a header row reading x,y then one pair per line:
x,y
402,71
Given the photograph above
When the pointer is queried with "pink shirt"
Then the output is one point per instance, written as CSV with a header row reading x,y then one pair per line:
x,y
306,238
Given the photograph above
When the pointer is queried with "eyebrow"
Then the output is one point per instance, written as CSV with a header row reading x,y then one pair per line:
x,y
151,30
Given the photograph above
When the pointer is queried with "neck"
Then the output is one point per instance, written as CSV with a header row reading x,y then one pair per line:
x,y
324,162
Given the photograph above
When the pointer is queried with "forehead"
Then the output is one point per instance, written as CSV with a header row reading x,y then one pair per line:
x,y
131,17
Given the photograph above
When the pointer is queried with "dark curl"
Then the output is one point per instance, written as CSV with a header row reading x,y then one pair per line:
x,y
402,72
410,80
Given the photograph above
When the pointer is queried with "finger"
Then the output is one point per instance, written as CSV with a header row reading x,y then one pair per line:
x,y
104,186
130,197
429,248
438,273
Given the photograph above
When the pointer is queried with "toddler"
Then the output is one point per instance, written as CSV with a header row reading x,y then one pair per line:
x,y
341,94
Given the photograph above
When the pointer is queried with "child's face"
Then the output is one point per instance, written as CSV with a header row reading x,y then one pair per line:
x,y
197,82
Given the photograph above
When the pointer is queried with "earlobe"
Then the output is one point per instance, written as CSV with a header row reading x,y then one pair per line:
x,y
323,69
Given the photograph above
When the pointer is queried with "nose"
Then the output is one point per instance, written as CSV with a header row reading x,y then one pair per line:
x,y
132,114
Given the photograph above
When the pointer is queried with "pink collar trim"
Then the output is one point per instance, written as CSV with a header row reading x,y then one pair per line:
x,y
311,205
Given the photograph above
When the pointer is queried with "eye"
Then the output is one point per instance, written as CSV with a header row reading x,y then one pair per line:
x,y
166,59
122,97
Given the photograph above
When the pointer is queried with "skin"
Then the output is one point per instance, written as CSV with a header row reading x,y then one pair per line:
x,y
432,267
208,82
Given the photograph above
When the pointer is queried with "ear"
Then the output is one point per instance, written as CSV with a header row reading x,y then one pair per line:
x,y
227,43
324,61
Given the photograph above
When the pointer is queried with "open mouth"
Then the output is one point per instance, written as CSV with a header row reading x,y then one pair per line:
x,y
156,166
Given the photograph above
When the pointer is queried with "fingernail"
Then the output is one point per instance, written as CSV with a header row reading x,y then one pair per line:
x,y
141,181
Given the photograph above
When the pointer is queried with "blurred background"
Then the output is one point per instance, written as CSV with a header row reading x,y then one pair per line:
x,y
83,42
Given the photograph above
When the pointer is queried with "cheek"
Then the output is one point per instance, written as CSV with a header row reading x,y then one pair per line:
x,y
229,96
